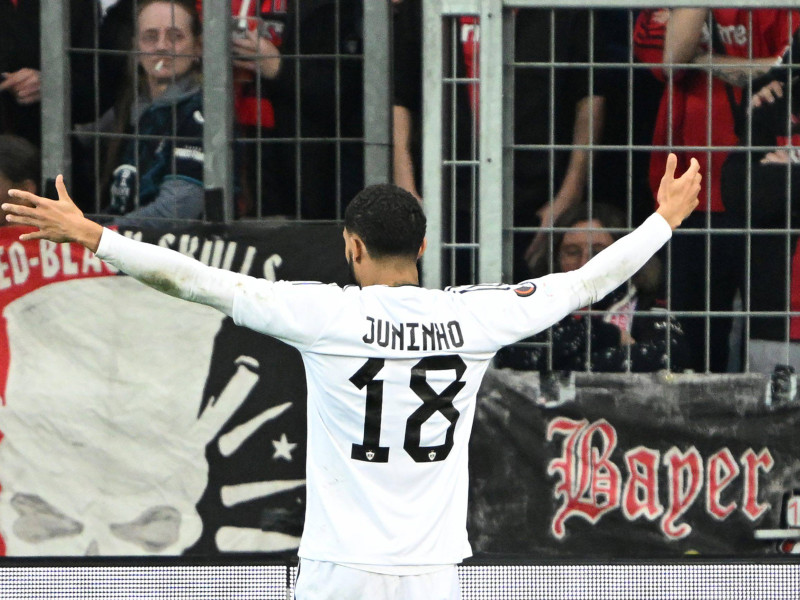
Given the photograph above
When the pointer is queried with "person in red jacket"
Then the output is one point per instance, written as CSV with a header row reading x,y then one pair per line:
x,y
699,110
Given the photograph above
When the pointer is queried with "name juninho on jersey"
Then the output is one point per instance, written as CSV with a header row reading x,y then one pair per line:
x,y
413,336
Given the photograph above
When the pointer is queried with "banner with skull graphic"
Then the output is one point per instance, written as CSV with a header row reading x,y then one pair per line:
x,y
133,423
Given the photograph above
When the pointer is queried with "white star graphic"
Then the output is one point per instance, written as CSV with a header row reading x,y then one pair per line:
x,y
283,448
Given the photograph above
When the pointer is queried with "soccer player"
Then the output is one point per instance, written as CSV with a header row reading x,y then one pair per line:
x,y
393,370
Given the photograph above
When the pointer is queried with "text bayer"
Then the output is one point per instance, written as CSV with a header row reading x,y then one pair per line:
x,y
591,485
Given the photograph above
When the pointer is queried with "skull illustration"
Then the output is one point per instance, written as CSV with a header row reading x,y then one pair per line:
x,y
103,451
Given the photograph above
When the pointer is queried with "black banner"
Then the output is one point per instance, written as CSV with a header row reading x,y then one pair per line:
x,y
133,423
632,466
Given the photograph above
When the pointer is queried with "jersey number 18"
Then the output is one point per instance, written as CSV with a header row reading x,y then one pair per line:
x,y
371,450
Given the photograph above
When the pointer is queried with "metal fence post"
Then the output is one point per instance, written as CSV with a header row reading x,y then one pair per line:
x,y
432,72
56,102
218,178
509,23
377,92
490,149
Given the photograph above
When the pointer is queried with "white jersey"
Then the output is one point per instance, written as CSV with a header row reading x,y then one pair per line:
x,y
392,376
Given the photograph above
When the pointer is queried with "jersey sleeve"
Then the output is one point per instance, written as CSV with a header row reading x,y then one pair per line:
x,y
781,30
295,312
648,40
508,314
171,272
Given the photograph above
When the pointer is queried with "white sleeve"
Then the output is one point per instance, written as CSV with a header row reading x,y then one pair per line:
x,y
294,312
171,272
508,314
621,260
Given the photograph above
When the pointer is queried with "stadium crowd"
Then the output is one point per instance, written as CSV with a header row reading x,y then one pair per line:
x,y
589,145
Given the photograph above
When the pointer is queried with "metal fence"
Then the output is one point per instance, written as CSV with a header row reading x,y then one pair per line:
x,y
349,149
730,306
476,149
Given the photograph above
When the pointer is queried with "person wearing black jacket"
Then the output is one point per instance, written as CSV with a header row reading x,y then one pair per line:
x,y
771,173
297,79
297,84
20,77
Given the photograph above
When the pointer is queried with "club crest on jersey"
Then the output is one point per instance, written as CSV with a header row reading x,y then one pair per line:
x,y
525,289
370,454
432,454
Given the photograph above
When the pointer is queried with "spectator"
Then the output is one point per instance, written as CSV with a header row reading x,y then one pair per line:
x,y
20,168
691,96
296,81
627,330
159,175
575,113
773,178
20,78
617,172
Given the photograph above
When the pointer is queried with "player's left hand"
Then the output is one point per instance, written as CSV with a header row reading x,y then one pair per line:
x,y
677,198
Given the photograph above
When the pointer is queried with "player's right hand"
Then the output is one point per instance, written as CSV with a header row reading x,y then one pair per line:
x,y
57,220
677,198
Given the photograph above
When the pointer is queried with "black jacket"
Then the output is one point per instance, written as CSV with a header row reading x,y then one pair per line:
x,y
19,48
573,335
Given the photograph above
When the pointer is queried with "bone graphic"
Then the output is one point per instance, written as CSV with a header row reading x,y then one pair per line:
x,y
231,441
244,492
219,410
247,539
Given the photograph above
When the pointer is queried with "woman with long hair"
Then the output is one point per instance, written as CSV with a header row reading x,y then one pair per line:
x,y
154,167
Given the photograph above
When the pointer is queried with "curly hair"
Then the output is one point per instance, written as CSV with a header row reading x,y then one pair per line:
x,y
388,219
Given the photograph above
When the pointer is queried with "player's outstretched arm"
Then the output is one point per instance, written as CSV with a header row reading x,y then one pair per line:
x,y
161,268
612,267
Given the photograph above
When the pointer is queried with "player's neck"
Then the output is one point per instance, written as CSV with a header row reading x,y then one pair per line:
x,y
390,273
